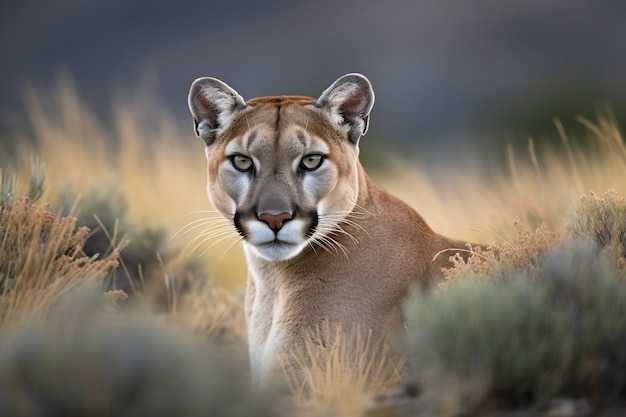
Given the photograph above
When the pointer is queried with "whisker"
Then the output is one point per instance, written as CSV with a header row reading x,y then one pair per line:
x,y
312,245
333,225
196,212
340,230
218,241
325,241
210,234
237,240
339,218
204,241
210,228
356,226
338,246
210,224
361,210
321,242
205,237
213,228
213,222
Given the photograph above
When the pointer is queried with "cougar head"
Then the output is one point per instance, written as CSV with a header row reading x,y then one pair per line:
x,y
284,169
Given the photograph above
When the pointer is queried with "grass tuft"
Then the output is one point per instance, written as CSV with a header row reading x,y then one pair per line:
x,y
7,188
334,375
41,258
603,221
523,254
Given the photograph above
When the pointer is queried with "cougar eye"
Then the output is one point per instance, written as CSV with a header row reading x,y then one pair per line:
x,y
241,163
311,162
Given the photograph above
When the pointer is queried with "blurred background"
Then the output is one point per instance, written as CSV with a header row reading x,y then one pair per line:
x,y
448,75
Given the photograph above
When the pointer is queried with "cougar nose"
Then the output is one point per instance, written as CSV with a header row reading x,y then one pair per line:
x,y
274,221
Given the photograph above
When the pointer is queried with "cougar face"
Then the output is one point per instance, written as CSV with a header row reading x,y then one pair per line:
x,y
282,168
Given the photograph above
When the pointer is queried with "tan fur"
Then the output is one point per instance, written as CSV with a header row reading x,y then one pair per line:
x,y
374,247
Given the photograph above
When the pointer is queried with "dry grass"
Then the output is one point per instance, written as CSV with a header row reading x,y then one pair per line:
x,y
524,253
145,156
602,220
541,187
214,312
41,260
159,167
338,377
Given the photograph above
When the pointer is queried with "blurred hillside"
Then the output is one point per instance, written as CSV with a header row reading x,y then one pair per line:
x,y
445,72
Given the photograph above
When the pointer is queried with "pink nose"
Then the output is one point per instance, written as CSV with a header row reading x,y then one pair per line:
x,y
274,221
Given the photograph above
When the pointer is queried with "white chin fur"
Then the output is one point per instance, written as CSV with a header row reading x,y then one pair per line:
x,y
289,242
277,252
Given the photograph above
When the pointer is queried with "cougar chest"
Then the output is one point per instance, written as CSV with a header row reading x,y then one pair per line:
x,y
266,310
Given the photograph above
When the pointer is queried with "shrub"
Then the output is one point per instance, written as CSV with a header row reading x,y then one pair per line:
x,y
602,220
524,340
524,254
41,255
109,367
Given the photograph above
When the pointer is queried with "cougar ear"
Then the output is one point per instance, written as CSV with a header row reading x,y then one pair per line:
x,y
212,103
349,101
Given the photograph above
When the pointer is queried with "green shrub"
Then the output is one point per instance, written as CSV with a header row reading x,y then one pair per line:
x,y
130,367
526,339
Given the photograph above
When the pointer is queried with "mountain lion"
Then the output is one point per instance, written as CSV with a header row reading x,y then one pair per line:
x,y
325,245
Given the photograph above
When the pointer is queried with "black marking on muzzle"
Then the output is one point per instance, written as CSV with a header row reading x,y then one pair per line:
x,y
314,221
238,226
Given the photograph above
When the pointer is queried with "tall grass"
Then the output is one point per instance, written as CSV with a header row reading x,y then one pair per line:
x,y
337,376
144,156
42,259
540,187
158,168
603,221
